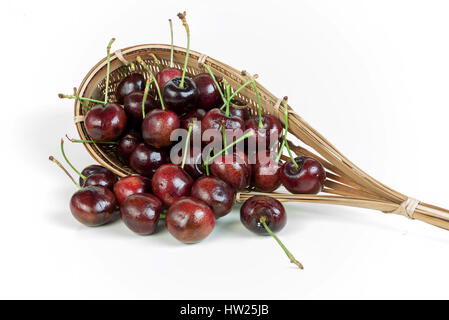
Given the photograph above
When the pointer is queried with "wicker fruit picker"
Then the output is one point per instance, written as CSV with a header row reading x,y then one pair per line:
x,y
346,184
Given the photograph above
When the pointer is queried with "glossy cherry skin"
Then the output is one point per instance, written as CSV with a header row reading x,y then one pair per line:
x,y
103,179
190,220
180,100
193,165
186,120
93,205
216,193
105,123
158,126
233,168
170,183
165,75
208,94
213,120
266,170
131,185
131,83
133,107
257,207
242,113
140,212
127,144
268,135
309,178
93,168
146,159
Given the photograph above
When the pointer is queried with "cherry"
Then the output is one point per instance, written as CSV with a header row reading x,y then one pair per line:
x,y
189,220
208,94
170,183
307,176
266,172
146,159
105,123
193,164
214,120
239,109
92,205
233,168
131,185
169,73
131,83
133,107
158,126
265,215
215,193
268,131
127,144
140,212
104,179
89,170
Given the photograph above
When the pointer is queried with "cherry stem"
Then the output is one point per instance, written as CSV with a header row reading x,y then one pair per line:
x,y
90,141
209,160
145,66
259,108
171,43
284,103
64,96
51,158
182,16
108,68
237,91
224,134
216,83
145,95
288,253
68,162
228,88
156,60
186,146
284,139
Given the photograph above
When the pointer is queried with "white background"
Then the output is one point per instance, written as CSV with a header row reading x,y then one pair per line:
x,y
372,76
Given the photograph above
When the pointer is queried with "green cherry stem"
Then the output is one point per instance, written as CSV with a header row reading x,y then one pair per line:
x,y
51,158
259,108
156,60
216,83
145,94
228,88
89,141
210,159
145,66
68,162
284,139
64,96
182,16
108,69
171,43
186,146
224,134
288,253
237,91
285,143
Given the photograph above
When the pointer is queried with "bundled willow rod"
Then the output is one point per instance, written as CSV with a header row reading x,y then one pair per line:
x,y
346,183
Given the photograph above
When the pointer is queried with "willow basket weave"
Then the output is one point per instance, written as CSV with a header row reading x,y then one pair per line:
x,y
346,184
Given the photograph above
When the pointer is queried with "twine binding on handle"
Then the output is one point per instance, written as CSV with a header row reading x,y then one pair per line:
x,y
78,119
202,59
120,56
407,208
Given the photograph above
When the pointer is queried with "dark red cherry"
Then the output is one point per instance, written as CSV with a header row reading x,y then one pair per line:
x,y
233,168
208,94
127,144
216,193
93,205
147,159
167,74
103,179
193,165
105,123
189,220
158,126
130,185
87,171
213,120
186,120
257,207
129,84
268,135
180,100
240,109
170,183
266,172
140,212
309,178
133,107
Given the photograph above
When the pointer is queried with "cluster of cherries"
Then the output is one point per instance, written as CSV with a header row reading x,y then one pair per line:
x,y
191,195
